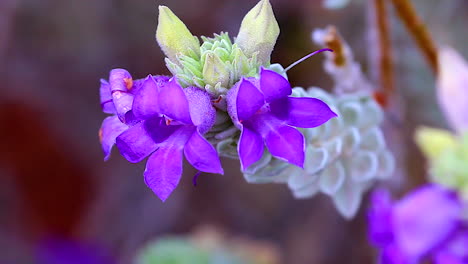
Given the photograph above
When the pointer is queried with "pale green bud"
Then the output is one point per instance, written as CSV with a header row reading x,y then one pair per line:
x,y
258,32
220,65
434,142
215,70
173,36
343,157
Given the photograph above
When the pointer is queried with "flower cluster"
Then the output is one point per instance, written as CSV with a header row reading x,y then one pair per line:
x,y
343,157
218,90
410,231
155,117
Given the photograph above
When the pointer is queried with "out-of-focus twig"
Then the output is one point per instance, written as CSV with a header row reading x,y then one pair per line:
x,y
415,26
334,42
385,73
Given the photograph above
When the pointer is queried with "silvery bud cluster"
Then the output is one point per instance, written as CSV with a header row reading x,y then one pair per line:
x,y
343,157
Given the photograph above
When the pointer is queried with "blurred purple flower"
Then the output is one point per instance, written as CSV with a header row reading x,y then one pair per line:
x,y
452,88
426,224
264,112
117,99
173,121
62,251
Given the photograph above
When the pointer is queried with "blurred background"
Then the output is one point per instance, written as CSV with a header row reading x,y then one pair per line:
x,y
55,184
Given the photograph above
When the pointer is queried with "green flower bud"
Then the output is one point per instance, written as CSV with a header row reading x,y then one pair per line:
x,y
173,36
220,65
434,142
215,70
448,157
258,32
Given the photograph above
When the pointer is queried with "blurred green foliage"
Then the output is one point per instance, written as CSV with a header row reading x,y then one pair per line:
x,y
448,157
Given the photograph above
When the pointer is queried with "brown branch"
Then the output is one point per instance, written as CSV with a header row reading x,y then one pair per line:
x,y
333,41
384,56
418,30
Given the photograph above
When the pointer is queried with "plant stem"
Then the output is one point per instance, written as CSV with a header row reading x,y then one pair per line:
x,y
418,30
384,56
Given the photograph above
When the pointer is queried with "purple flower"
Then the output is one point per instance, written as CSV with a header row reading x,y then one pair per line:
x,y
64,251
425,224
173,121
117,99
455,251
264,112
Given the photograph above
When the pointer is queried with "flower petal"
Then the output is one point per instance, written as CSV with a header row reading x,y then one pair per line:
x,y
286,143
248,100
363,166
202,112
386,164
454,251
135,144
380,218
57,250
316,159
119,81
332,178
452,83
273,85
307,112
146,104
307,190
348,198
111,128
250,147
158,130
163,170
202,155
393,255
173,102
418,228
106,98
300,179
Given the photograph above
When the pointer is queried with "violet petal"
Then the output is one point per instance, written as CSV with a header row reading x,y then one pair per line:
x,y
273,85
249,100
418,228
455,250
135,143
380,218
202,112
119,81
63,251
392,255
307,112
286,143
106,98
157,129
146,104
173,102
163,170
202,155
250,147
111,128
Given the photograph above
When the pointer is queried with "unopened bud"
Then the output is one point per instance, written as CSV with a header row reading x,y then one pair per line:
x,y
258,32
173,36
